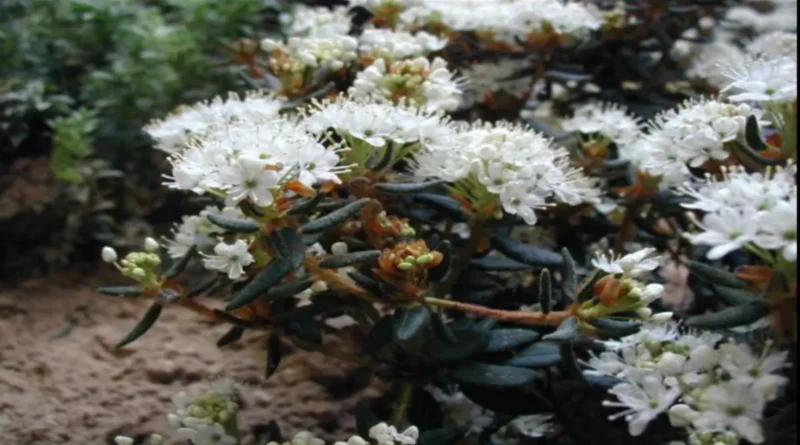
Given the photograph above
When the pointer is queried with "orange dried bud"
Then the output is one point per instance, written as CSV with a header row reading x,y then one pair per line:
x,y
299,188
754,274
609,290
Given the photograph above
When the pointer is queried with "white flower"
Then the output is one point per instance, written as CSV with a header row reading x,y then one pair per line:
x,y
671,364
385,434
484,80
778,229
760,371
229,258
354,440
733,405
418,81
612,121
306,438
213,434
681,415
774,45
707,58
396,45
631,265
151,245
320,21
173,133
508,165
727,230
533,426
249,179
459,410
331,52
763,80
644,399
123,440
109,254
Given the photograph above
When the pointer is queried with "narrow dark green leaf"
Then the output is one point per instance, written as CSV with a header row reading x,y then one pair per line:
x,y
407,187
506,339
204,287
567,331
305,205
469,342
143,326
233,225
381,335
532,256
334,218
383,162
545,291
349,259
563,76
247,324
735,296
538,355
234,334
268,277
408,322
569,275
180,265
442,436
752,134
307,330
443,204
439,273
498,264
730,317
616,326
366,282
441,330
494,376
365,419
286,290
714,275
569,363
274,352
288,244
121,291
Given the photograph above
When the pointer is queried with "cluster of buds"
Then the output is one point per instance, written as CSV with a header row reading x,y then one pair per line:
x,y
295,61
409,258
209,418
302,438
139,266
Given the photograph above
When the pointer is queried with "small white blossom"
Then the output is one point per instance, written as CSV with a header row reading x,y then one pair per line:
x,y
533,426
611,121
229,258
109,254
763,80
397,45
761,371
320,21
385,434
631,265
646,397
733,405
459,410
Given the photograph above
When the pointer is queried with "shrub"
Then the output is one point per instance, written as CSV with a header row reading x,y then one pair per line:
x,y
437,187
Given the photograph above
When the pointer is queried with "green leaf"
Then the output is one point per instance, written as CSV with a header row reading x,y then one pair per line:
x,y
289,246
567,331
274,353
545,291
506,339
538,355
618,327
380,336
349,259
445,205
305,205
714,275
730,317
143,326
407,187
441,330
469,342
569,362
234,320
408,322
233,225
735,296
307,330
268,277
752,134
498,264
526,254
204,287
494,376
234,334
286,290
439,273
569,275
179,266
121,291
365,419
442,436
334,218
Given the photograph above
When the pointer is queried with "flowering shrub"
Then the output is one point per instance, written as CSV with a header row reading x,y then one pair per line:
x,y
476,200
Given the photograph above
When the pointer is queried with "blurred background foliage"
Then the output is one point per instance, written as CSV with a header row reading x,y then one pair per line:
x,y
78,80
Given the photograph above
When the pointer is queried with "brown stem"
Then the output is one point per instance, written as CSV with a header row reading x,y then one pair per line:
x,y
523,318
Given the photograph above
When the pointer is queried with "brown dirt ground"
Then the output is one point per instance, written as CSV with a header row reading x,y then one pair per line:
x,y
62,381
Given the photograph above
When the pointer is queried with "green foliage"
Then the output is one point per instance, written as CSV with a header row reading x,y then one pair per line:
x,y
72,145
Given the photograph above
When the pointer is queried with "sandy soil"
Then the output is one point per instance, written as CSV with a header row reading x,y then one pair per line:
x,y
62,381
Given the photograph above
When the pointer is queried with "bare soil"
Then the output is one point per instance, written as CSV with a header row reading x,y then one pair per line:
x,y
63,382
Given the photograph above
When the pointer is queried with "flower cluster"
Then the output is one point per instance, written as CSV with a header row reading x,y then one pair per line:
x,y
209,418
605,123
748,210
492,165
704,385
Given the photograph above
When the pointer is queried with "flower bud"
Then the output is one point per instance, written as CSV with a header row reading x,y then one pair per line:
x,y
319,286
339,248
151,245
661,317
704,357
644,313
671,364
405,266
156,439
608,290
109,255
123,440
139,272
681,415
